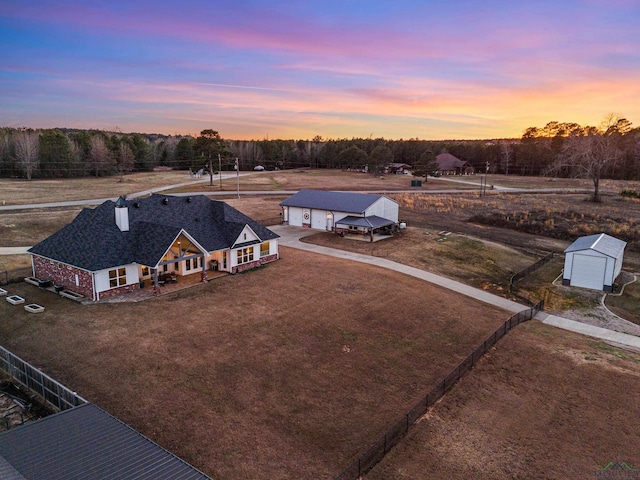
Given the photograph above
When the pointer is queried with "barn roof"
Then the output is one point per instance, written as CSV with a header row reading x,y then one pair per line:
x,y
601,243
94,242
86,443
335,201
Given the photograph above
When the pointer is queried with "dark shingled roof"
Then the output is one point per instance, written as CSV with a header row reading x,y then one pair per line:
x,y
93,241
447,162
334,201
86,443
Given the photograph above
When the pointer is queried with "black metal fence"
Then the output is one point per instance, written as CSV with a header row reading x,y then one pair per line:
x,y
14,276
531,268
392,437
54,393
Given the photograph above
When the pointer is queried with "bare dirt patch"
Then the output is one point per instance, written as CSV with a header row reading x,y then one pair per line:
x,y
627,305
287,371
544,404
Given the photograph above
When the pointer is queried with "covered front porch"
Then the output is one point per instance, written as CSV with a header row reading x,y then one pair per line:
x,y
147,291
184,259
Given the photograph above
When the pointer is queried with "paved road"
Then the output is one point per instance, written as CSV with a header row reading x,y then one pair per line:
x,y
98,201
290,237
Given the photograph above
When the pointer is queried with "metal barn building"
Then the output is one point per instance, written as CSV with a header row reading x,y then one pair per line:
x,y
330,211
594,261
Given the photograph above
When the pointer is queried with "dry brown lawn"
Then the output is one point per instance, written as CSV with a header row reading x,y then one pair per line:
x,y
21,191
292,370
544,404
288,371
473,261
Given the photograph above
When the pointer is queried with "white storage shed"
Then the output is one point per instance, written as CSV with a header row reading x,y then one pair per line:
x,y
324,210
594,261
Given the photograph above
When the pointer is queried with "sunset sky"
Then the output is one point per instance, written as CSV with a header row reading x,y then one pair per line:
x,y
430,69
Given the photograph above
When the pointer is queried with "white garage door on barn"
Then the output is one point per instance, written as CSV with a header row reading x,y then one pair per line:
x,y
594,262
588,271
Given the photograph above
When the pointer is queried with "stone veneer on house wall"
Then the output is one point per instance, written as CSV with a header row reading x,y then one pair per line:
x,y
256,263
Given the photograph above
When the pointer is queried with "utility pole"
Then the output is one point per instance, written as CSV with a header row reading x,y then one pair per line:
x,y
220,170
210,171
238,176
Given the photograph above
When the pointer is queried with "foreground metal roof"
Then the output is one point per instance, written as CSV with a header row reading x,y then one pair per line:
x,y
86,443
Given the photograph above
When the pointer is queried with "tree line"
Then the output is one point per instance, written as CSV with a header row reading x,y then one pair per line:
x,y
611,150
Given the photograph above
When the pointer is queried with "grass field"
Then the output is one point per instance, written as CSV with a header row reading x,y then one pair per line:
x,y
545,404
291,370
283,372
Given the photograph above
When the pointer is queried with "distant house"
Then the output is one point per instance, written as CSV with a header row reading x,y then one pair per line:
x,y
340,212
115,247
594,262
450,165
399,168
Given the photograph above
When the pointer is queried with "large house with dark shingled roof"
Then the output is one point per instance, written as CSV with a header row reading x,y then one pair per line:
x,y
117,246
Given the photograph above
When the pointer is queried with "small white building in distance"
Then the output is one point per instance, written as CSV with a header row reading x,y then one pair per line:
x,y
594,262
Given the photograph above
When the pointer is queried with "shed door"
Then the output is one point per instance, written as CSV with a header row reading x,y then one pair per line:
x,y
588,271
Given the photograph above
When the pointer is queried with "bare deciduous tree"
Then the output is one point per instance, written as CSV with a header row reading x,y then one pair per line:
x,y
102,163
125,160
506,151
26,151
593,151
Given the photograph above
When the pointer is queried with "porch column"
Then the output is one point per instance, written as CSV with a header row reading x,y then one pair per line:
x,y
156,287
204,271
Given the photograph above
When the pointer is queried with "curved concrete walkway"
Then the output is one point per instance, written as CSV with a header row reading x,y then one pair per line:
x,y
290,237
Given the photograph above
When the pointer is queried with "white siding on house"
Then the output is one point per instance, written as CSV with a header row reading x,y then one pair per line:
x,y
247,235
102,277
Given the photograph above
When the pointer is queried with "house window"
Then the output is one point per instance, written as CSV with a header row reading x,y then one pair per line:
x,y
146,271
264,249
188,263
245,255
117,277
